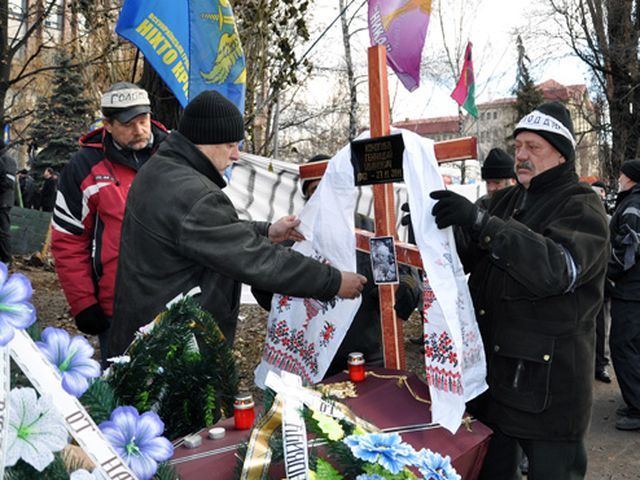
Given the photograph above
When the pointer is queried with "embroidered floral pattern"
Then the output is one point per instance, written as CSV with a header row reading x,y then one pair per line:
x,y
328,332
294,343
473,350
444,380
284,303
440,349
315,307
428,298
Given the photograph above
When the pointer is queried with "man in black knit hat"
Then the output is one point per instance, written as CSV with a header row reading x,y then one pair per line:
x,y
624,282
196,240
537,257
497,170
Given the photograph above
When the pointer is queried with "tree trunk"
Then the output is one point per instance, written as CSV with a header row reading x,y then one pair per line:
x,y
164,105
351,79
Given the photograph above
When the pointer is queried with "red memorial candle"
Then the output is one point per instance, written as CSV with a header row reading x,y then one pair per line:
x,y
243,411
356,367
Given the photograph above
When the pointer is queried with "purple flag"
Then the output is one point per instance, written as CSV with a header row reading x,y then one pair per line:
x,y
401,26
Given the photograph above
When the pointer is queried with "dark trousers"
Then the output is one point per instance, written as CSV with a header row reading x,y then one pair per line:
x,y
624,342
548,460
601,336
104,348
5,238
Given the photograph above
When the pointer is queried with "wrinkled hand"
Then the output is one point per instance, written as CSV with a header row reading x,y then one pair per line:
x,y
351,285
92,320
454,209
285,229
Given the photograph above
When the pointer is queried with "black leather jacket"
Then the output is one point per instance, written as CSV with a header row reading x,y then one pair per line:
x,y
624,269
181,231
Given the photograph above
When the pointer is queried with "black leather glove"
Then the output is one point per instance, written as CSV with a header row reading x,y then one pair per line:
x,y
92,320
406,222
408,296
454,209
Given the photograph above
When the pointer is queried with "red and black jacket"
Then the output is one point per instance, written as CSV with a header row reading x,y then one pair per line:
x,y
87,218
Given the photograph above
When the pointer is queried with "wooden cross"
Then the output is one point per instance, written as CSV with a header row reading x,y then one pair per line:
x,y
384,210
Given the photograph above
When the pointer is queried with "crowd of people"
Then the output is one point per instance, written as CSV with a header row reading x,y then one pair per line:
x,y
141,216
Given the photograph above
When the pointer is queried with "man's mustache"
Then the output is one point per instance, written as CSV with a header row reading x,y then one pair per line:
x,y
525,165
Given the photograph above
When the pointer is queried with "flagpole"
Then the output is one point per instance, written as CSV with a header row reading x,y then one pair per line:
x,y
480,155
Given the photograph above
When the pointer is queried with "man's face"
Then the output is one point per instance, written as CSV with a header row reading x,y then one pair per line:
x,y
625,183
135,134
495,184
311,189
600,191
534,155
221,155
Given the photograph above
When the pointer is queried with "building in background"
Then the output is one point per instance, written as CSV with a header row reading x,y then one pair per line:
x,y
497,119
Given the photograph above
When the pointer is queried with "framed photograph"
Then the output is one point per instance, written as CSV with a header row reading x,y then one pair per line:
x,y
384,264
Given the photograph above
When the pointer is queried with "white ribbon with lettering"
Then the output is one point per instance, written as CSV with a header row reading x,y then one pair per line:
x,y
314,400
5,386
294,432
45,378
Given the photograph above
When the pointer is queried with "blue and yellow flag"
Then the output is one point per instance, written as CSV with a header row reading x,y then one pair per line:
x,y
192,44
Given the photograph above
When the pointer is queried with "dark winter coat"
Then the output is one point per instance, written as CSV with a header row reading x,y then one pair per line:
x,y
181,231
537,273
624,269
28,191
48,192
8,168
87,220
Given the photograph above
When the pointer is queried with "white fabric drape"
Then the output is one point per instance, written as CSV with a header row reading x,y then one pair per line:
x,y
304,334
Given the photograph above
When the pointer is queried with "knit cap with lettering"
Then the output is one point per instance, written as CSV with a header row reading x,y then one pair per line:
x,y
124,101
552,122
211,119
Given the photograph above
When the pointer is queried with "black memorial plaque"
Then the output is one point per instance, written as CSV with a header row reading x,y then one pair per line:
x,y
377,160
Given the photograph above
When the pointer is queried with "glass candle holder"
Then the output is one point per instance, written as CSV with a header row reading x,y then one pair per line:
x,y
356,367
243,412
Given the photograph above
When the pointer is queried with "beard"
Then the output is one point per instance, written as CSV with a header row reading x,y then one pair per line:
x,y
139,143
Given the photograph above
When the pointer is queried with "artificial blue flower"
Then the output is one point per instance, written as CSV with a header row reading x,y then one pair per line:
x,y
15,310
374,476
72,356
137,440
434,466
387,449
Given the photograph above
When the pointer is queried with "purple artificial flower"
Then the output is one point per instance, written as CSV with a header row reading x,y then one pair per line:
x,y
137,440
387,449
72,356
435,467
15,310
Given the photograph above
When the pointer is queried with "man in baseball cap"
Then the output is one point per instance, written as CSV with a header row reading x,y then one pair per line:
x,y
124,101
89,208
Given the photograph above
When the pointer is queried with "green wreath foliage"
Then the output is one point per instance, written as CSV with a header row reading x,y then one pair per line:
x,y
183,370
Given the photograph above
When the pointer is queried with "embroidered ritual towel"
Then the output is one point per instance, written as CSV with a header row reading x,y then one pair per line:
x,y
303,334
454,355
